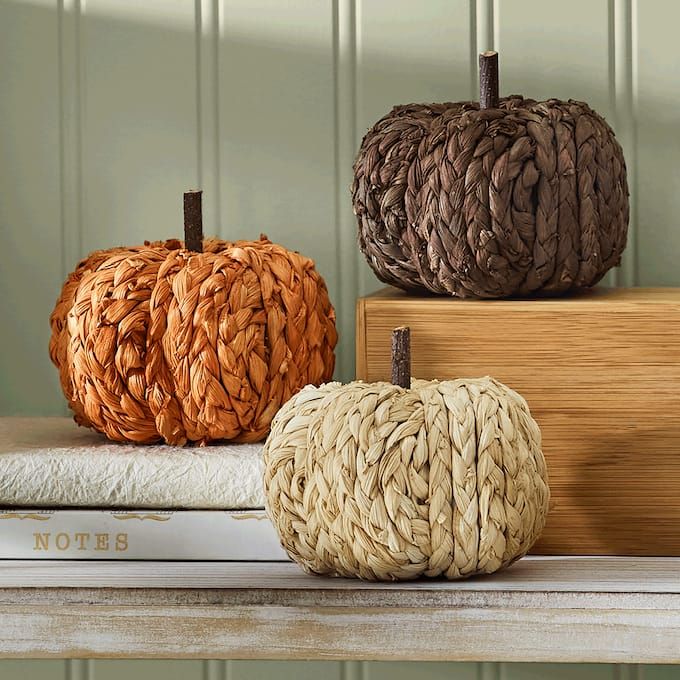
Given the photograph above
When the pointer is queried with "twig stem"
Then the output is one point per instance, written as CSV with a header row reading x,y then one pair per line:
x,y
193,221
488,80
401,356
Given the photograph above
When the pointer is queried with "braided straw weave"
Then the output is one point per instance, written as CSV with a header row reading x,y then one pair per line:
x,y
529,197
379,482
155,342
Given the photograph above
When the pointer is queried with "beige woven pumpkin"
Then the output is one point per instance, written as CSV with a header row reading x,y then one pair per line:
x,y
382,482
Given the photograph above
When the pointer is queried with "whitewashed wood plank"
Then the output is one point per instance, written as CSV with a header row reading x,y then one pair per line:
x,y
622,610
533,574
30,208
139,136
274,632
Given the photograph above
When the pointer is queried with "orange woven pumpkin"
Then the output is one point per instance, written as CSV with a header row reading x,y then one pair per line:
x,y
160,342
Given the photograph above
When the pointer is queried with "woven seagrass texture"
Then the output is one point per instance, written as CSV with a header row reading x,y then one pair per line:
x,y
157,343
375,481
529,197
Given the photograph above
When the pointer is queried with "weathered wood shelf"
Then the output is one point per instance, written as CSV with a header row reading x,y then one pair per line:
x,y
542,609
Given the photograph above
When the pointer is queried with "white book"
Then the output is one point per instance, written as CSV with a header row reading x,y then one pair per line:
x,y
53,463
78,534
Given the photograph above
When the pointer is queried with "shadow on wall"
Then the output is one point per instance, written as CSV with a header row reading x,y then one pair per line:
x,y
103,160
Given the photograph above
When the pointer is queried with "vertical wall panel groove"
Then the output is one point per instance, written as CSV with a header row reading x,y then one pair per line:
x,y
70,131
613,43
473,48
221,163
489,671
495,24
363,275
613,276
207,112
79,669
484,38
70,137
624,58
626,672
634,179
198,48
215,669
353,670
344,72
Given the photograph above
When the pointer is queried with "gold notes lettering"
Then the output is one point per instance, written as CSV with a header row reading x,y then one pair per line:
x,y
121,542
80,540
102,542
42,542
62,541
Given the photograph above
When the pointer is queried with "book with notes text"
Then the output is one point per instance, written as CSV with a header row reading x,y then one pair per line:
x,y
85,534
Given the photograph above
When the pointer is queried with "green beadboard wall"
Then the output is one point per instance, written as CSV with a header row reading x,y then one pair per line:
x,y
109,109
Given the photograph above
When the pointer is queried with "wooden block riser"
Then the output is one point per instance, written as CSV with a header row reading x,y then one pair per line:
x,y
601,374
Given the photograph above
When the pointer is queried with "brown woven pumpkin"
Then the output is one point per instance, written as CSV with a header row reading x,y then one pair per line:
x,y
161,342
510,197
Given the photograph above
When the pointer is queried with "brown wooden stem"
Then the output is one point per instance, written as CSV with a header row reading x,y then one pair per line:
x,y
401,356
488,80
193,221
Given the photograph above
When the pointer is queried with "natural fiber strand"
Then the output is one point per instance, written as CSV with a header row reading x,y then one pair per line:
x,y
380,482
529,197
155,342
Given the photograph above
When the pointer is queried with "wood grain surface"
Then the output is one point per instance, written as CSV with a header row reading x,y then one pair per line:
x,y
38,579
540,609
601,374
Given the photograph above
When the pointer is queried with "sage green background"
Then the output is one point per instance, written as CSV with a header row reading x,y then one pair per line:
x,y
109,109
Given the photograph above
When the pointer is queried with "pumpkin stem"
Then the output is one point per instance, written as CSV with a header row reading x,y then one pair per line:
x,y
401,356
488,80
193,221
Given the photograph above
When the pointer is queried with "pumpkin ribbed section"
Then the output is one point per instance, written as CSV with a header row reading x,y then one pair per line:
x,y
158,343
379,482
527,198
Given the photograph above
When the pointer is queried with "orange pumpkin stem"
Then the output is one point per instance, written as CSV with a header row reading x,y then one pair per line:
x,y
401,356
193,221
488,80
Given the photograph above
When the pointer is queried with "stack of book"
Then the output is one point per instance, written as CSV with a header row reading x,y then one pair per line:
x,y
68,493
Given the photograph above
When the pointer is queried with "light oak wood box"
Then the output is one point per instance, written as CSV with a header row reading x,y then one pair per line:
x,y
601,374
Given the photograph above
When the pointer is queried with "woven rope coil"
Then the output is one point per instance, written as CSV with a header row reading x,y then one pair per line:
x,y
158,343
529,197
375,481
